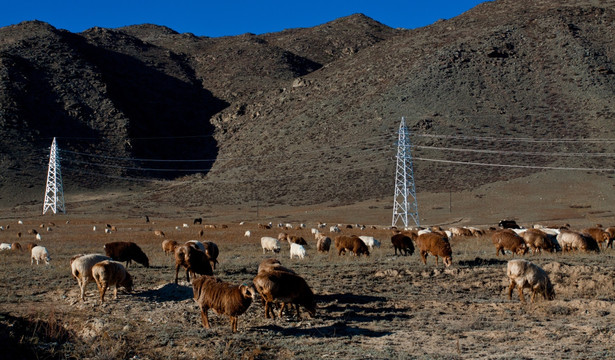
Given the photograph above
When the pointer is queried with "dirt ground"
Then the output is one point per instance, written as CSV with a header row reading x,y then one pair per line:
x,y
377,307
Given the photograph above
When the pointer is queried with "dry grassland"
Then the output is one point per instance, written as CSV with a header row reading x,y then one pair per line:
x,y
380,307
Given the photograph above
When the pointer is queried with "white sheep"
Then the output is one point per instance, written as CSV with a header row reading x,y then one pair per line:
x,y
5,246
370,241
523,273
297,250
270,244
81,269
314,231
40,254
107,231
197,244
38,237
247,233
185,225
334,229
423,231
94,228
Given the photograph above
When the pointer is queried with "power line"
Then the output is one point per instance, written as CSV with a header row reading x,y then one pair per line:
x,y
507,152
514,166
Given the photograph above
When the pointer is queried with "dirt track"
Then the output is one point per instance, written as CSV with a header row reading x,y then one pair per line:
x,y
380,307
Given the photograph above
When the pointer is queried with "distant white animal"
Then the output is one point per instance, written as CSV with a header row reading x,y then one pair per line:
x,y
38,237
93,228
20,222
40,254
270,244
334,229
5,246
314,231
247,233
107,231
370,241
297,250
185,225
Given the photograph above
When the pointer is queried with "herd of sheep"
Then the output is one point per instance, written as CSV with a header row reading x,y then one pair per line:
x,y
279,286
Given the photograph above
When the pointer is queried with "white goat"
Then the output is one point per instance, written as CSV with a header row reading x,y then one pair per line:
x,y
297,250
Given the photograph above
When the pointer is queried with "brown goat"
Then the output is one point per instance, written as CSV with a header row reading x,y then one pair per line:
x,y
435,244
107,273
281,286
508,239
168,246
222,297
403,243
351,243
195,261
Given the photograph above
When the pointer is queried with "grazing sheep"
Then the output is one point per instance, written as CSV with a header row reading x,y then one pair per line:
x,y
611,231
38,237
571,240
32,232
185,225
370,241
537,240
334,229
297,250
5,246
16,246
508,224
437,245
40,254
282,236
508,239
602,237
193,260
222,297
196,244
81,269
323,243
168,246
159,233
351,243
270,244
522,273
285,287
403,243
107,231
271,265
107,273
247,233
212,252
460,231
296,240
126,251
197,221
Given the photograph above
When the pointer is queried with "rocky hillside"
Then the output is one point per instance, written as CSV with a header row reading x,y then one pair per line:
x,y
309,115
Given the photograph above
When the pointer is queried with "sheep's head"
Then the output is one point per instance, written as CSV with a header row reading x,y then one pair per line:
x,y
522,249
549,291
127,284
248,291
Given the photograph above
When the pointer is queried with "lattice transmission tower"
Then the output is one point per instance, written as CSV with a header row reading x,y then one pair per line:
x,y
54,193
404,202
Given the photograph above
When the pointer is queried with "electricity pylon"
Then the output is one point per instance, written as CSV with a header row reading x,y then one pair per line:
x,y
404,201
54,193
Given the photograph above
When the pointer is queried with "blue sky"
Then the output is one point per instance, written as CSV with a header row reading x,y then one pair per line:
x,y
221,18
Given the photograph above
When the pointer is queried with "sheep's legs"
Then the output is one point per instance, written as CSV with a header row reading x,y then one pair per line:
x,y
176,273
521,297
234,323
511,287
204,317
103,289
115,292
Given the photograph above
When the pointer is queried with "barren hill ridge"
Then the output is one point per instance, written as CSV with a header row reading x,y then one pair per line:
x,y
308,115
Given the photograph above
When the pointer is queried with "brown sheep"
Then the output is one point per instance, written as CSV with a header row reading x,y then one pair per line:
x,y
611,231
403,243
30,245
508,239
437,245
271,265
159,233
323,243
17,246
351,243
107,273
296,240
168,246
222,297
537,240
460,231
602,237
81,269
195,261
281,286
126,251
212,252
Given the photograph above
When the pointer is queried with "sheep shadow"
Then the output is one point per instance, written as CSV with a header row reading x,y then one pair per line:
x,y
359,308
338,329
168,292
481,262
